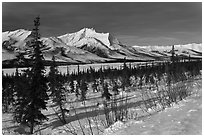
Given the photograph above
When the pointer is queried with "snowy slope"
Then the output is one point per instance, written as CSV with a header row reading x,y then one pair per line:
x,y
81,37
101,44
69,53
18,41
193,49
84,46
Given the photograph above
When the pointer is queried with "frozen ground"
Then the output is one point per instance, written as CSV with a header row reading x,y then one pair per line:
x,y
184,118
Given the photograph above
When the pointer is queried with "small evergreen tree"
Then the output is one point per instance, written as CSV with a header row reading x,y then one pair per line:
x,y
57,89
95,86
7,93
125,76
106,93
115,87
77,87
20,60
21,96
173,54
83,88
72,86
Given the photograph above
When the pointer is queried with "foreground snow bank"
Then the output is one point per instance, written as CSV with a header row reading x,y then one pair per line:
x,y
183,118
116,126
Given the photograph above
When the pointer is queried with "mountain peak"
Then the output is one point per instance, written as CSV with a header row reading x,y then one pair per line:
x,y
85,35
19,34
89,29
91,32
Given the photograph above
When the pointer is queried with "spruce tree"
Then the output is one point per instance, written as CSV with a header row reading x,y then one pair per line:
x,y
173,54
21,96
20,60
106,94
95,86
7,93
115,87
83,88
37,94
21,85
77,87
57,89
125,76
72,86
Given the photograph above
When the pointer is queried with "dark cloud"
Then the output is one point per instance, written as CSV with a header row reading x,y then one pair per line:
x,y
134,23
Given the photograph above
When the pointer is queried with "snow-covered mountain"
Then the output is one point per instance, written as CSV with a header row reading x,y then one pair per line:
x,y
89,46
193,49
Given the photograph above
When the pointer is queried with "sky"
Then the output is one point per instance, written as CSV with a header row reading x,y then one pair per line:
x,y
133,23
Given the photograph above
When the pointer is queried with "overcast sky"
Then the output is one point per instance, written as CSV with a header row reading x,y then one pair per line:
x,y
132,23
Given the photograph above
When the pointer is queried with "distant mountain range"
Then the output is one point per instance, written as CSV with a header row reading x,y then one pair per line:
x,y
89,46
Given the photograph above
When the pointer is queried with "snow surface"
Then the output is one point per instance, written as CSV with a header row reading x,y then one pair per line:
x,y
184,118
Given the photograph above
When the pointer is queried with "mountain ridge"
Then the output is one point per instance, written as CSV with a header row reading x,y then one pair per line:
x,y
89,46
